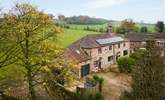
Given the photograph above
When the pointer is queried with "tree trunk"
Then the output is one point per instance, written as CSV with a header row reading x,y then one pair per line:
x,y
32,95
100,88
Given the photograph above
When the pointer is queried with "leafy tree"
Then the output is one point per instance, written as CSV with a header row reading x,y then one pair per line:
x,y
84,20
137,54
125,64
101,29
61,17
127,26
58,74
148,75
31,31
159,26
7,48
143,29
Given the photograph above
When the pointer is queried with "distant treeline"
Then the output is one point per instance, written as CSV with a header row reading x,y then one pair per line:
x,y
82,20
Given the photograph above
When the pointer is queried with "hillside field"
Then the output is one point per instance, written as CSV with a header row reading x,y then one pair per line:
x,y
69,36
75,32
115,24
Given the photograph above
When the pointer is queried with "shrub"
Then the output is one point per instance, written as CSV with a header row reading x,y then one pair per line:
x,y
125,64
96,96
96,77
137,53
144,29
100,80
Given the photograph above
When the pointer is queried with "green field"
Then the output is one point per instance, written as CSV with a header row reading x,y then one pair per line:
x,y
70,35
115,24
77,31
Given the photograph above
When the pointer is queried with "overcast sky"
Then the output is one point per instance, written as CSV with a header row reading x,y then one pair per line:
x,y
148,11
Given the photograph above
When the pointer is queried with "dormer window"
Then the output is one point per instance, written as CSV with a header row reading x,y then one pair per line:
x,y
77,51
99,51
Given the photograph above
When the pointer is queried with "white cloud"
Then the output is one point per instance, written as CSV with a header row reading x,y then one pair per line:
x,y
96,4
158,7
162,7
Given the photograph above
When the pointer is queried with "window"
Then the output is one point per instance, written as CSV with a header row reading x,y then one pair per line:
x,y
85,70
95,63
110,48
99,51
110,58
119,45
77,51
124,44
125,52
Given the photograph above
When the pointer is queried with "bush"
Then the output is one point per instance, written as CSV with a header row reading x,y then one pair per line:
x,y
125,64
138,53
100,80
97,96
96,77
144,29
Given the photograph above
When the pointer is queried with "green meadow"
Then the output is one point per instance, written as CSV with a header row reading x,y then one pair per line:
x,y
115,24
76,31
69,36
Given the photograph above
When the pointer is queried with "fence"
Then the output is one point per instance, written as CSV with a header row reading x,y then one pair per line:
x,y
88,90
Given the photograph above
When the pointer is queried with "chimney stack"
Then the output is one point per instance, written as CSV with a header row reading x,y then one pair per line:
x,y
110,29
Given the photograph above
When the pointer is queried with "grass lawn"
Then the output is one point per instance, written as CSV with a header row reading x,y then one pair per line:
x,y
69,36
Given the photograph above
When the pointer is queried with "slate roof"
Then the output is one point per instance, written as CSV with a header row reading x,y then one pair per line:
x,y
76,49
109,40
159,35
144,36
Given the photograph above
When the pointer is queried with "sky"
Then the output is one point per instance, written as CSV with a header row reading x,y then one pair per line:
x,y
148,11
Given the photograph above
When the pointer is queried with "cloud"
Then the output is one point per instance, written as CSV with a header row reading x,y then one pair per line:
x,y
162,7
97,4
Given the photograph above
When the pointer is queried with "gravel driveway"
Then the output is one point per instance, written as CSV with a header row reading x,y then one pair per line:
x,y
114,84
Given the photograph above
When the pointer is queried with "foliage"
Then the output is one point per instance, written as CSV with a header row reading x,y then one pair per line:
x,y
57,91
159,27
144,29
100,80
96,77
127,26
58,74
137,54
31,32
125,64
82,20
148,75
97,96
